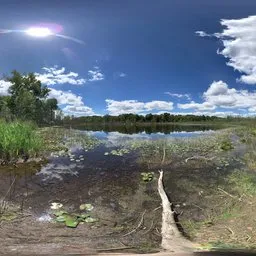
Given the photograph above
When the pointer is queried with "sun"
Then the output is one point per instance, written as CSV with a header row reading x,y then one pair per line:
x,y
39,32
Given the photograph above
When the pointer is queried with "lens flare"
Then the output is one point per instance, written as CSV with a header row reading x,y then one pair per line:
x,y
39,32
43,30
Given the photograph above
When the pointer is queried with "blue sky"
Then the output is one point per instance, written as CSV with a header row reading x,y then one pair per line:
x,y
137,56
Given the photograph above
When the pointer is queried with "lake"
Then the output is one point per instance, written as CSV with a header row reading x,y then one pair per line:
x,y
115,133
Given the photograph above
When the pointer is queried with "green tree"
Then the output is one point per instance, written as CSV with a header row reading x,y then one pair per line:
x,y
28,99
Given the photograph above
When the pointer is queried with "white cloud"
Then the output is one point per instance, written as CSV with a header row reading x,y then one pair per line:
x,y
136,107
78,110
219,95
197,106
217,88
71,103
239,42
95,75
4,87
55,75
209,113
203,34
179,95
122,74
66,98
158,105
117,75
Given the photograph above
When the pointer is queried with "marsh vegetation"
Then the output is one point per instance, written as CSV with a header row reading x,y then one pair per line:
x,y
18,141
209,178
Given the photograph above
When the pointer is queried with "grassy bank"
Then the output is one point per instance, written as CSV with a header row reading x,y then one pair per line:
x,y
18,140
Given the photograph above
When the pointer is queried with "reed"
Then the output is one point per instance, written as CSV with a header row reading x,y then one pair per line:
x,y
18,139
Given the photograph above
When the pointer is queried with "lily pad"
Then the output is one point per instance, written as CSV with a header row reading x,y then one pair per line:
x,y
86,207
90,220
71,222
83,216
59,213
61,218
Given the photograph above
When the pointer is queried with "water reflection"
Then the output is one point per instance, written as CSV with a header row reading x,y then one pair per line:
x,y
117,138
145,128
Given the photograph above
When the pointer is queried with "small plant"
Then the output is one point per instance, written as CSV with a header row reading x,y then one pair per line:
x,y
72,220
243,182
147,176
118,152
226,145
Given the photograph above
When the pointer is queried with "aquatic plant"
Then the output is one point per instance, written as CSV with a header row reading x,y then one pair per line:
x,y
18,139
72,220
118,152
147,176
226,145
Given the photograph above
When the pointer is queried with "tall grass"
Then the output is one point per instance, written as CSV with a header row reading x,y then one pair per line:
x,y
18,139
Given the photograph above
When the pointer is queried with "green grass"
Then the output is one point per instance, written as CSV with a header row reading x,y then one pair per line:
x,y
18,139
243,182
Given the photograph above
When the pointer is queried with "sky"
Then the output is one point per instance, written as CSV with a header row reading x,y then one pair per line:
x,y
148,56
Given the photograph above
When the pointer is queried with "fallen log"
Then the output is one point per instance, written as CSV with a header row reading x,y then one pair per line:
x,y
172,238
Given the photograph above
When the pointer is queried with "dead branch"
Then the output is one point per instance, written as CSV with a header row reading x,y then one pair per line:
x,y
197,206
116,249
234,197
139,225
157,208
199,157
4,203
151,226
164,153
230,230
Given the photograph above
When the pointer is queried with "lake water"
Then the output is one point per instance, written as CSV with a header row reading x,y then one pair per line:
x,y
122,133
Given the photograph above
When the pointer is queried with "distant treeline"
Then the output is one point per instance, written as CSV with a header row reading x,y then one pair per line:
x,y
152,118
133,118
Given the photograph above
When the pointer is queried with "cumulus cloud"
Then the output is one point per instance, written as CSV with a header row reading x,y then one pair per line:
x,y
239,47
71,103
121,74
158,105
209,113
197,106
203,34
66,97
78,110
55,75
219,95
217,88
4,87
95,75
179,95
136,107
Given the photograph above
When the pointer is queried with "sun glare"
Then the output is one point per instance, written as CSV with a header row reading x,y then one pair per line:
x,y
39,32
